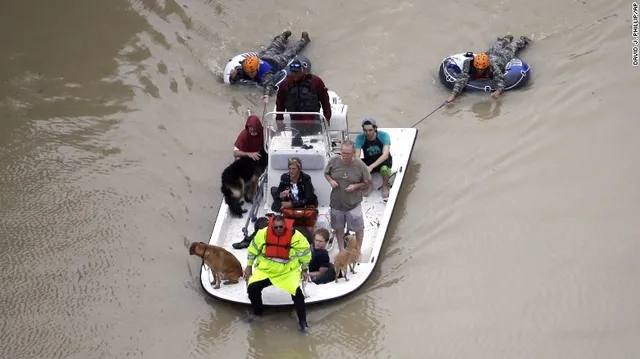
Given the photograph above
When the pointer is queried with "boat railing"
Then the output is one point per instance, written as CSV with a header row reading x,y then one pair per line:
x,y
290,128
257,200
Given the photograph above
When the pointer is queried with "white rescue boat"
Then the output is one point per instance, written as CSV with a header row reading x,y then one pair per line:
x,y
314,155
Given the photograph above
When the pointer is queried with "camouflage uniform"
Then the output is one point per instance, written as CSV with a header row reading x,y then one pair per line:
x,y
279,55
503,51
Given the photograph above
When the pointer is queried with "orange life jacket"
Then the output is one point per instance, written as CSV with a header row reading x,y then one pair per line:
x,y
278,247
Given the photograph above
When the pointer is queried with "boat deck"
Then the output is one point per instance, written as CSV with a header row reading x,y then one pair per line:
x,y
377,215
373,208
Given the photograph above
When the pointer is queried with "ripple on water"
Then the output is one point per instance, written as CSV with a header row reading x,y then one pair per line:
x,y
62,245
356,327
54,266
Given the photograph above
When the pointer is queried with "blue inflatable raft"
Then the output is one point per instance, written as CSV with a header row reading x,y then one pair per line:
x,y
517,74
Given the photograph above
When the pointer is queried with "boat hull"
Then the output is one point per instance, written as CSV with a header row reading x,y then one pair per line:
x,y
377,215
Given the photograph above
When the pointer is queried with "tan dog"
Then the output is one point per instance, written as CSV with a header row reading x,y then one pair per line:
x,y
223,264
347,259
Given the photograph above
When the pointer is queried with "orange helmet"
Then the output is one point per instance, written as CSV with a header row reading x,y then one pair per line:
x,y
481,61
251,64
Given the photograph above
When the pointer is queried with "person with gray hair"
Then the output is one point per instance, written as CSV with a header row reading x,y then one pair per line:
x,y
348,176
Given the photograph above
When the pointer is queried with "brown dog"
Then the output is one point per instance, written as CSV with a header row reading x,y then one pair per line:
x,y
223,264
347,258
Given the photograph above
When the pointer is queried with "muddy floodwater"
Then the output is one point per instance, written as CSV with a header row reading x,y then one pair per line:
x,y
516,235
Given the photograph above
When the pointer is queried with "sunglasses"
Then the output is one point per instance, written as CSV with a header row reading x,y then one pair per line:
x,y
278,227
293,160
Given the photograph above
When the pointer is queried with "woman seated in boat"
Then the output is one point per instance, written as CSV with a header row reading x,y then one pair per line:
x,y
321,269
295,189
296,192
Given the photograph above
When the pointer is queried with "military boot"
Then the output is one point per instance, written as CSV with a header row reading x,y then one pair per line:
x,y
286,33
305,36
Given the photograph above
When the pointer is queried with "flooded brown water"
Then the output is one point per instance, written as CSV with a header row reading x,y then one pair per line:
x,y
516,237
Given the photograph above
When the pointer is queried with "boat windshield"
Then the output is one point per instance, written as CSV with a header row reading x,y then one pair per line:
x,y
311,132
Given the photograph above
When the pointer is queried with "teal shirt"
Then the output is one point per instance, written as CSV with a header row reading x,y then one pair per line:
x,y
373,149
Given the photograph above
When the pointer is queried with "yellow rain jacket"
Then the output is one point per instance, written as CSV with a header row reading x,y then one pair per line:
x,y
277,258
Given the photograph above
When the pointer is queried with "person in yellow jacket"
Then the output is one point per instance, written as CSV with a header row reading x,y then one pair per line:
x,y
281,256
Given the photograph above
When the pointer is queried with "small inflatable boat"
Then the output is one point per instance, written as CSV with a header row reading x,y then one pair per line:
x,y
517,74
280,75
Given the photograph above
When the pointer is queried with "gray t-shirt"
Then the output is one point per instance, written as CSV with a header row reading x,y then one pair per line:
x,y
346,174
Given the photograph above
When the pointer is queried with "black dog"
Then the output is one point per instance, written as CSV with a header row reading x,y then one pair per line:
x,y
240,180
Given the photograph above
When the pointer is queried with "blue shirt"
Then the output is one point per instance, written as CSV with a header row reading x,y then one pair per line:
x,y
262,70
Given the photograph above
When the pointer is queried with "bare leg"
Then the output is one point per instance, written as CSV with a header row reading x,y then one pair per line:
x,y
385,184
338,221
339,238
356,224
385,172
359,238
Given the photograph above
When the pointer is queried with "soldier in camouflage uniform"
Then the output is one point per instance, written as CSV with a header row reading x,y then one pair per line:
x,y
271,60
494,60
278,54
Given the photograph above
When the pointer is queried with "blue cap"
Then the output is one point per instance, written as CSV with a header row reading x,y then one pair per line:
x,y
295,66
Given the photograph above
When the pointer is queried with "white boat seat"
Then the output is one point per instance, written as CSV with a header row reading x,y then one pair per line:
x,y
339,118
311,160
339,127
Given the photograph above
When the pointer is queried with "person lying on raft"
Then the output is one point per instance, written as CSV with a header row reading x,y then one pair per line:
x,y
262,68
490,65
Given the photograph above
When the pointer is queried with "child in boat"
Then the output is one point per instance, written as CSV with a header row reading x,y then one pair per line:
x,y
320,268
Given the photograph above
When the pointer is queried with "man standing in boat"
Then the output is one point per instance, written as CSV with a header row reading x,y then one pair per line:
x,y
348,177
490,65
303,92
262,68
281,256
376,146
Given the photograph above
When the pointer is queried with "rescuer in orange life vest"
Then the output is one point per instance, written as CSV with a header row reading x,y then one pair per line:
x,y
281,256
